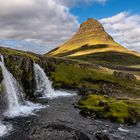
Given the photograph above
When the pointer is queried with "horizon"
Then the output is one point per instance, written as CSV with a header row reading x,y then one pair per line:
x,y
25,25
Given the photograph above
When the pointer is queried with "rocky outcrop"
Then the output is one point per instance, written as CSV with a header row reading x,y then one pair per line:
x,y
22,69
20,64
123,75
91,28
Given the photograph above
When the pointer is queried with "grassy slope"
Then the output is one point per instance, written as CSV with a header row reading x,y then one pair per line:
x,y
111,58
10,51
75,76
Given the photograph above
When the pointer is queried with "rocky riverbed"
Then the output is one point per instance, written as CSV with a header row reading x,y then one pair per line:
x,y
59,120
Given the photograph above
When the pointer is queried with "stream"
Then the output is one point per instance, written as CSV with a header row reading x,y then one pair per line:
x,y
59,120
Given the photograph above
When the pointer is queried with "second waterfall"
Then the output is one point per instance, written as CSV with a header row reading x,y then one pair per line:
x,y
44,86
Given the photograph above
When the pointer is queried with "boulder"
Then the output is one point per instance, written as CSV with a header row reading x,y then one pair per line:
x,y
123,75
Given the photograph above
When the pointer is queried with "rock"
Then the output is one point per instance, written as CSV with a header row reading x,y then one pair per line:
x,y
122,75
55,131
1,78
22,69
101,136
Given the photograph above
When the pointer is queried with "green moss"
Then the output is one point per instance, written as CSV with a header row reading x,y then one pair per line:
x,y
111,108
118,111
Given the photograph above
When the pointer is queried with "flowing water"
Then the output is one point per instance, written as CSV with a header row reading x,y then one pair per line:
x,y
4,129
44,85
61,121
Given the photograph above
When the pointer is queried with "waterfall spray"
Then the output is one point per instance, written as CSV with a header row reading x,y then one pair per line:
x,y
4,129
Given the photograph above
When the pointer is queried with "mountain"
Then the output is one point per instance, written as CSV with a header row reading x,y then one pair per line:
x,y
92,43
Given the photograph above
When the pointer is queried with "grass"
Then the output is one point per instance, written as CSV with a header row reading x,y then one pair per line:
x,y
69,74
83,48
121,111
110,58
10,51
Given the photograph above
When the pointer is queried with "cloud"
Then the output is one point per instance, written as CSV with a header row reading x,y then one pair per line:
x,y
41,21
71,3
125,28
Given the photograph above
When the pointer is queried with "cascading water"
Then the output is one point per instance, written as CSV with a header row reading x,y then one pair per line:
x,y
10,88
44,85
17,106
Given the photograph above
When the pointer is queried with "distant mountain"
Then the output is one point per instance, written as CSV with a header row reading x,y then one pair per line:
x,y
92,43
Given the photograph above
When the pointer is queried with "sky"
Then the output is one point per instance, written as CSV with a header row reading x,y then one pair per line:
x,y
41,25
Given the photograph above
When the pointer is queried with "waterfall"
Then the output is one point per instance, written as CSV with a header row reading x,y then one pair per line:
x,y
15,98
44,85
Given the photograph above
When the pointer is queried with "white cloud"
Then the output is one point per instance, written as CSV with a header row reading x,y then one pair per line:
x,y
40,21
71,3
125,28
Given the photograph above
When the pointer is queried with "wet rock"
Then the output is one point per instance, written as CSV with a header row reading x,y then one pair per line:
x,y
22,69
56,131
101,136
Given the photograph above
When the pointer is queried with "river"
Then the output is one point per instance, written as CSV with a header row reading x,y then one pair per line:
x,y
59,120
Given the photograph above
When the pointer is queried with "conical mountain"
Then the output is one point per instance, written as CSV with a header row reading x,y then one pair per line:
x,y
90,40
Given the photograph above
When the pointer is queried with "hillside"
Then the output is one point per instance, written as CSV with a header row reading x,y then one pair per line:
x,y
93,44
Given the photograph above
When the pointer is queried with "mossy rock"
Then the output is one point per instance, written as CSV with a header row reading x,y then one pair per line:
x,y
121,111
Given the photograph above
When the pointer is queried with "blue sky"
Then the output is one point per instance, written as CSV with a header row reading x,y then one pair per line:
x,y
42,25
108,9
